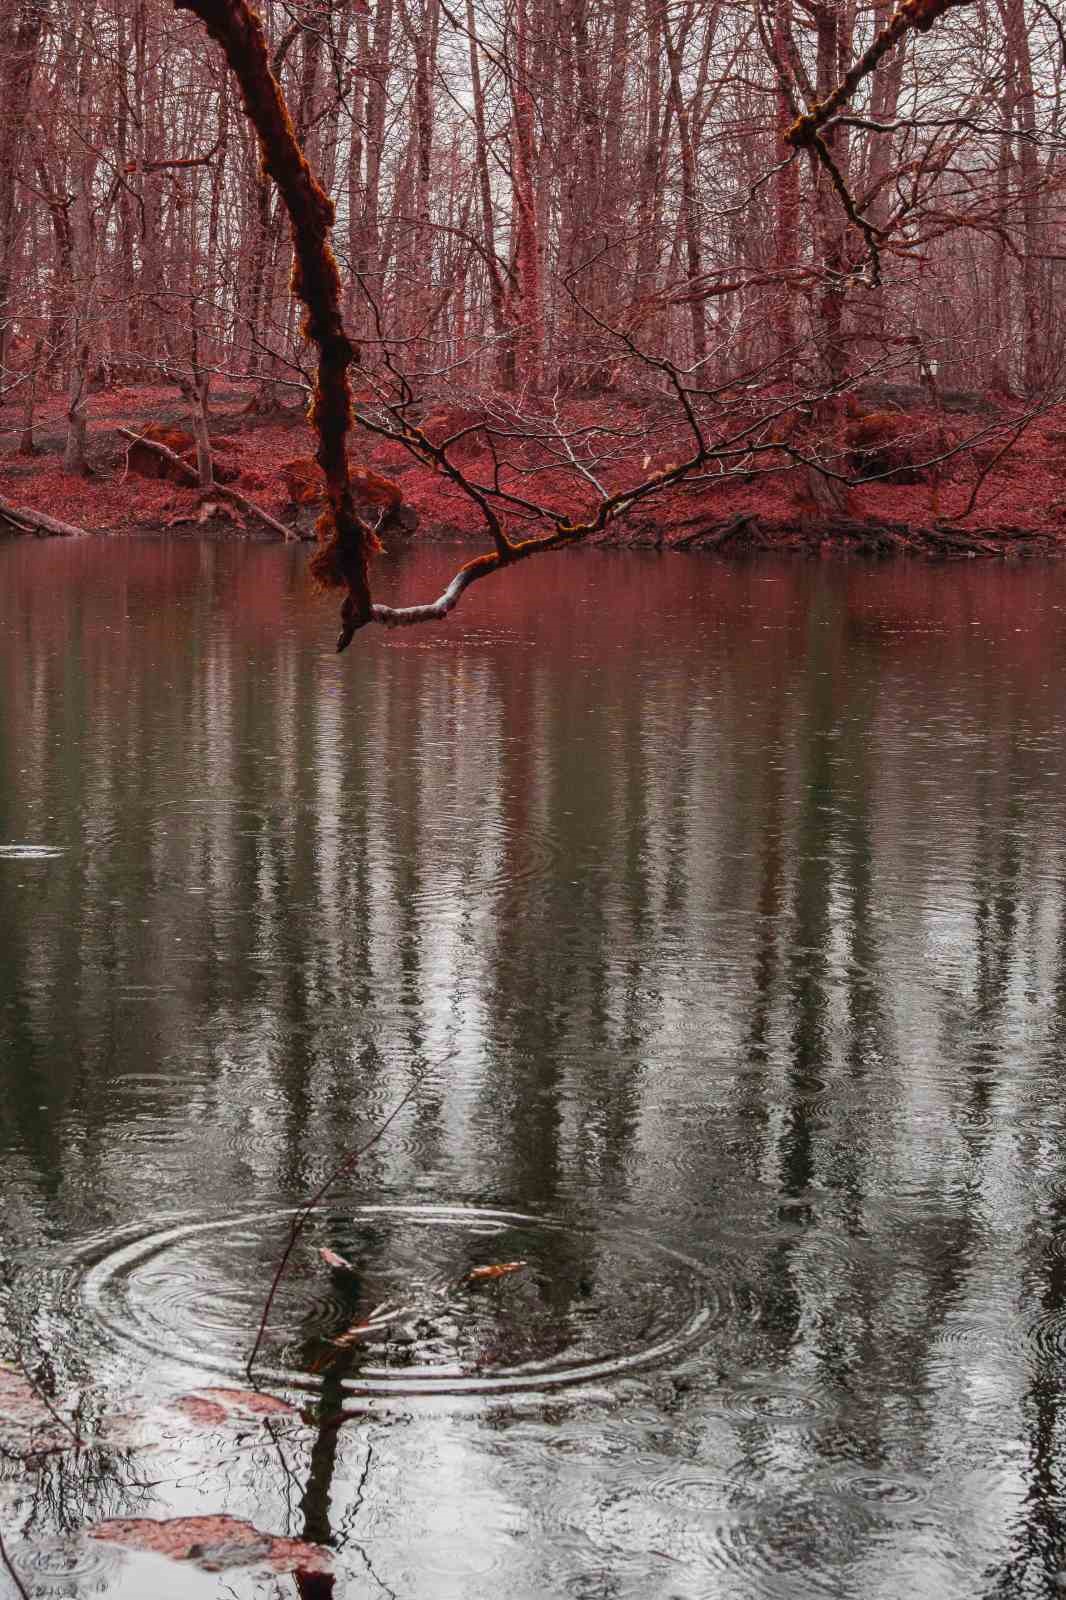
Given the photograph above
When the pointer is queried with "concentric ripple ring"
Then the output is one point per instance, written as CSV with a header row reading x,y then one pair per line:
x,y
478,1301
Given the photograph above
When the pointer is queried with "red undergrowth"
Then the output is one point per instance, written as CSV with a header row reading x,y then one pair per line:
x,y
1023,493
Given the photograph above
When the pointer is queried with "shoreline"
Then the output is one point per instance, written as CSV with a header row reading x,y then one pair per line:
x,y
1020,513
735,538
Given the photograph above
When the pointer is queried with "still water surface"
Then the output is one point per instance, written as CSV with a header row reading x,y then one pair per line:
x,y
714,919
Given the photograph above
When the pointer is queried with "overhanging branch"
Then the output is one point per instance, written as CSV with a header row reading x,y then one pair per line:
x,y
345,541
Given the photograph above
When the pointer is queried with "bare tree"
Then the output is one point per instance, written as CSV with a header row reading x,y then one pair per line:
x,y
732,219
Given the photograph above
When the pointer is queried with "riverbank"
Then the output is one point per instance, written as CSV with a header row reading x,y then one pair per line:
x,y
946,484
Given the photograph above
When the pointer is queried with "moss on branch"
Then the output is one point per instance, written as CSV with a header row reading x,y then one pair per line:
x,y
345,541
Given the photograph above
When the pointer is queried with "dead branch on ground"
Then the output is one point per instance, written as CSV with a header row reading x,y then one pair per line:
x,y
36,522
217,491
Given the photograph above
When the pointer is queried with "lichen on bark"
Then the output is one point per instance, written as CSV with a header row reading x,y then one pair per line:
x,y
345,542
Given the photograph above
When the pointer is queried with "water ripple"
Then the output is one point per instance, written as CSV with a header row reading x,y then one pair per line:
x,y
888,1492
52,1565
756,1547
580,1308
498,856
786,1402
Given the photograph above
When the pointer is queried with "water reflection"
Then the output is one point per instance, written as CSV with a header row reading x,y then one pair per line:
x,y
716,908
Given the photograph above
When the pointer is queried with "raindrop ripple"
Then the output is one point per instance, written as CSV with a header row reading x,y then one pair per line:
x,y
582,1308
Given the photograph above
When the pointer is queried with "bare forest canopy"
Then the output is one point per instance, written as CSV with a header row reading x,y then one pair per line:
x,y
763,219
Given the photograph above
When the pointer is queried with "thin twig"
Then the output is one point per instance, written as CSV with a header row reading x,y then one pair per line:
x,y
994,461
72,1428
303,1215
15,1579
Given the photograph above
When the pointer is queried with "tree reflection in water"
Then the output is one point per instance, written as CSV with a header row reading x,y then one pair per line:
x,y
737,894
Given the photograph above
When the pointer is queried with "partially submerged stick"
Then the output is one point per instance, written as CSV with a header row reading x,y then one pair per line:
x,y
304,1213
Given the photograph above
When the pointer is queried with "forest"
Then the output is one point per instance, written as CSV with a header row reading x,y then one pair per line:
x,y
568,1103
724,274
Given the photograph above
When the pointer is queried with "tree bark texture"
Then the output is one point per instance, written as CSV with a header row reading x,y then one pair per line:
x,y
345,542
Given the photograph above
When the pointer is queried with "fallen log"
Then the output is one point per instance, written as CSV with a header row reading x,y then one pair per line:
x,y
37,523
219,491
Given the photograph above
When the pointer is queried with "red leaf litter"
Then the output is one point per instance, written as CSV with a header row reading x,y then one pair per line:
x,y
1019,494
249,1402
25,1421
212,1407
195,1408
18,1401
214,1543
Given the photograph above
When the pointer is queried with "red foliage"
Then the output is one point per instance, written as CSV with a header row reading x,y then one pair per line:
x,y
147,464
305,484
1023,490
212,1407
205,1413
884,442
23,1409
250,1402
450,420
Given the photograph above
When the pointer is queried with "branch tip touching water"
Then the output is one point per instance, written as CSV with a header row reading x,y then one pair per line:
x,y
304,1211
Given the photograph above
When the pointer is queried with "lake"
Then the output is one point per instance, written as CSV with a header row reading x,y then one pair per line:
x,y
707,925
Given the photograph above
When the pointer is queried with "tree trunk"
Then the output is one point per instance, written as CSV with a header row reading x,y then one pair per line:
x,y
830,219
20,37
505,357
26,443
424,43
786,199
205,466
368,260
653,157
690,222
530,341
74,448
1020,89
84,295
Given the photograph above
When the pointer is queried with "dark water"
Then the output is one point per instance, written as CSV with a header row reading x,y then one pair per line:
x,y
713,919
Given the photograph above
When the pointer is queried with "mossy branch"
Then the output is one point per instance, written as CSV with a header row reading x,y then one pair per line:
x,y
345,541
919,14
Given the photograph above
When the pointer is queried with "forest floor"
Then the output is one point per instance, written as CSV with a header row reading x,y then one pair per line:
x,y
1017,467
